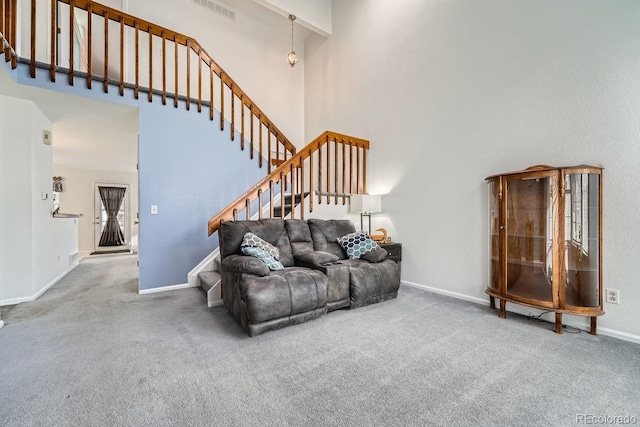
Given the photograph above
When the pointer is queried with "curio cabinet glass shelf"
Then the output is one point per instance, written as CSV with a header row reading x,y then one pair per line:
x,y
545,240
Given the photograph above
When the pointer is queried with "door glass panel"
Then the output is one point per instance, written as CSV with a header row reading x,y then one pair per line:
x,y
581,239
494,227
529,225
112,216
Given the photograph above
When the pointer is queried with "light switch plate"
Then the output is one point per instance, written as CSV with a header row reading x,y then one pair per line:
x,y
154,209
46,137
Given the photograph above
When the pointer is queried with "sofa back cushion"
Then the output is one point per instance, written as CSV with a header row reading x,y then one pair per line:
x,y
299,236
325,233
230,236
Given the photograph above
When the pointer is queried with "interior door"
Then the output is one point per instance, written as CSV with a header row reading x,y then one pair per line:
x,y
112,218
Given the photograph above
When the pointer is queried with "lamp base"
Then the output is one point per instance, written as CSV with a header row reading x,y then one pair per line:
x,y
362,215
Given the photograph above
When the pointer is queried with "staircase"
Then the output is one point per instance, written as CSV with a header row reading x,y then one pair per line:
x,y
210,284
327,170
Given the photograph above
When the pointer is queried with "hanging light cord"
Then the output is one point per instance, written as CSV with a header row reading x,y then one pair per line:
x,y
292,18
292,55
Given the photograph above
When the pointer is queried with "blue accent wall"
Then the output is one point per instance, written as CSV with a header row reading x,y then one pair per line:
x,y
187,167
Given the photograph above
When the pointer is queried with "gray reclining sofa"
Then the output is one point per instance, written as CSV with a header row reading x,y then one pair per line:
x,y
315,276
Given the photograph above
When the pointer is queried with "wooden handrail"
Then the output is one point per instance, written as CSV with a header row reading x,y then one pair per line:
x,y
8,25
295,169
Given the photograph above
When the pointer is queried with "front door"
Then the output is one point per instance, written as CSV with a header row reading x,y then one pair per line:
x,y
112,225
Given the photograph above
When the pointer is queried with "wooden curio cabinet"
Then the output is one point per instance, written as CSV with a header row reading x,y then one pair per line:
x,y
545,240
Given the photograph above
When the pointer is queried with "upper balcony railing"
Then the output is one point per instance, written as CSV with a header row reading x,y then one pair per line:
x,y
99,43
8,30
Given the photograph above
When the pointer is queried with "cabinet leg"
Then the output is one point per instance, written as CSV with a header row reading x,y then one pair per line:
x,y
594,326
503,309
492,303
558,323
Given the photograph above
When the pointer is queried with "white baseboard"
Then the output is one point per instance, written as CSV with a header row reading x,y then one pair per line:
x,y
579,322
447,293
37,295
164,289
620,335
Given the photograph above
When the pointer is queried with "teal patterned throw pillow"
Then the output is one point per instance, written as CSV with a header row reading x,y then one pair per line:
x,y
263,256
357,244
250,239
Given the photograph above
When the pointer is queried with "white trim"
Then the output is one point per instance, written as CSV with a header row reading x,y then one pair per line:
x,y
214,296
37,295
206,264
573,321
447,293
14,301
163,289
620,335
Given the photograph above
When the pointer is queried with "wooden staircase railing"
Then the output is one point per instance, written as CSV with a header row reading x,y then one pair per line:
x,y
8,30
326,165
188,60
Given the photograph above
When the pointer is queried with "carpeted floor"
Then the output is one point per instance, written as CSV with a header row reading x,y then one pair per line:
x,y
91,352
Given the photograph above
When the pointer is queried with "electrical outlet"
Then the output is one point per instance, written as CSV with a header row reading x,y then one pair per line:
x,y
613,296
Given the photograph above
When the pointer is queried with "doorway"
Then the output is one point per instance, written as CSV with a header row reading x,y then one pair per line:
x,y
112,218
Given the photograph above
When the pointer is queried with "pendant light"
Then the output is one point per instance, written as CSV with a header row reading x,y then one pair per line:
x,y
292,58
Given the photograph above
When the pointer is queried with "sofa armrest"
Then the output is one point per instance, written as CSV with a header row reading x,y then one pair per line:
x,y
245,264
314,259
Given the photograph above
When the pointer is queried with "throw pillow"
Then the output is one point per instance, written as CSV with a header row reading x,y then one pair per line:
x,y
375,256
263,256
357,244
250,239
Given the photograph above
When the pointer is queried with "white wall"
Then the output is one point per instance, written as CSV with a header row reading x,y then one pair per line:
x,y
450,92
35,246
16,198
78,197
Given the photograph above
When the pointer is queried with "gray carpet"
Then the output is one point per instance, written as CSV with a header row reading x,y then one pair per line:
x,y
91,352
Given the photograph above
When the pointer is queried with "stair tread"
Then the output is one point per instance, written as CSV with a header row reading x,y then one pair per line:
x,y
208,279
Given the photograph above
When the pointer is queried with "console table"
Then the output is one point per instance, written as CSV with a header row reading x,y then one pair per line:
x,y
394,251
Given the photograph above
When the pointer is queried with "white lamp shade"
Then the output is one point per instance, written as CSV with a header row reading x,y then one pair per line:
x,y
366,203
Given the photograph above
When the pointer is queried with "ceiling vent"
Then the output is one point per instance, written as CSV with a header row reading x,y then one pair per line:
x,y
217,8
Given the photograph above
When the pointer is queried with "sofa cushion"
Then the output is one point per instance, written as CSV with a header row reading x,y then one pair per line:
x,y
370,283
315,258
299,236
325,234
231,233
250,239
284,293
357,244
263,256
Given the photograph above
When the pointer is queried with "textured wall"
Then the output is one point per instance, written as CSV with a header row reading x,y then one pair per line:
x,y
450,92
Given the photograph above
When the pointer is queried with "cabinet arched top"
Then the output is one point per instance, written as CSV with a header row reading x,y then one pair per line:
x,y
546,168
